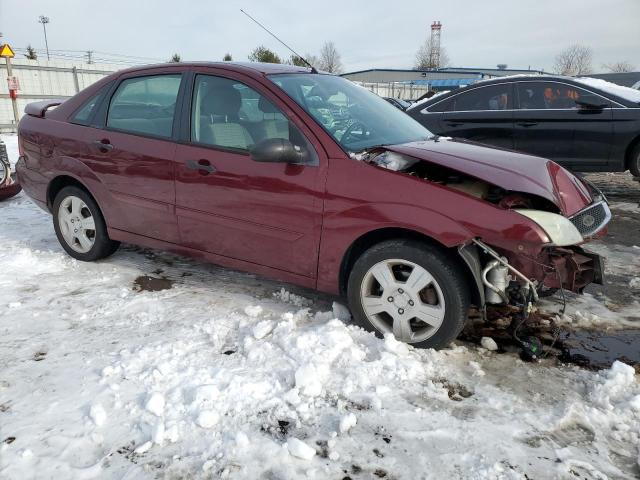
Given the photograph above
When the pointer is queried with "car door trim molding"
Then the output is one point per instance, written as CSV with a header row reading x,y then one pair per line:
x,y
241,224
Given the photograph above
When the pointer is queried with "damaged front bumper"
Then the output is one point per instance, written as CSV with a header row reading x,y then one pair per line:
x,y
499,274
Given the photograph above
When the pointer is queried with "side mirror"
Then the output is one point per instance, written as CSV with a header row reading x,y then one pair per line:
x,y
277,150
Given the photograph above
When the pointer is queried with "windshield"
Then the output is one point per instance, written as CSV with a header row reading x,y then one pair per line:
x,y
357,118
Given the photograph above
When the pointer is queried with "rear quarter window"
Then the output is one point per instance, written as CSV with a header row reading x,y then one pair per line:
x,y
84,114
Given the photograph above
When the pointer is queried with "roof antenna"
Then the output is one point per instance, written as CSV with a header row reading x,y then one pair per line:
x,y
313,69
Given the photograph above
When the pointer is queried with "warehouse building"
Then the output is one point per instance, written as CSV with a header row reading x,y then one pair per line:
x,y
440,79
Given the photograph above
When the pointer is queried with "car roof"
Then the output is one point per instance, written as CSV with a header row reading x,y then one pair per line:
x,y
254,67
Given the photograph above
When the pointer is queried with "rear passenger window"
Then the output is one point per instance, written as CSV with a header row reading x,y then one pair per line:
x,y
145,105
492,97
554,96
229,114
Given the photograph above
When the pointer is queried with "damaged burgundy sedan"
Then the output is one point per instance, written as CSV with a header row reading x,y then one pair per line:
x,y
309,179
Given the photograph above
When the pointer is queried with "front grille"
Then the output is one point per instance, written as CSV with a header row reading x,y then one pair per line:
x,y
591,219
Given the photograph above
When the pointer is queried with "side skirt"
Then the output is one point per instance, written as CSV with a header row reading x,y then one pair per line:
x,y
223,261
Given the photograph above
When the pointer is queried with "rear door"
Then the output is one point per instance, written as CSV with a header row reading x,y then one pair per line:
x,y
268,214
133,153
483,114
549,123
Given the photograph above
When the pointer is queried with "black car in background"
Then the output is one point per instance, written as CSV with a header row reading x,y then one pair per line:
x,y
583,124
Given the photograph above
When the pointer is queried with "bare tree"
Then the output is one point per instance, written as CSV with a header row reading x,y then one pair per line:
x,y
423,57
574,60
312,59
329,60
300,61
619,67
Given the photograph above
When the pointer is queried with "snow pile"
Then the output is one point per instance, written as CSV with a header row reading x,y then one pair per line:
x,y
627,93
218,377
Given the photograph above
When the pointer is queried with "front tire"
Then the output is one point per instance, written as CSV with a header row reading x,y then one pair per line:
x,y
634,164
410,289
80,226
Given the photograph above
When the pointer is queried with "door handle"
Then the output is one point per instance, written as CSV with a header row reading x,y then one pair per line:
x,y
203,166
526,124
103,145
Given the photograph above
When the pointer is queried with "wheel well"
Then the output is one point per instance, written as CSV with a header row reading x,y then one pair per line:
x,y
374,237
630,149
58,184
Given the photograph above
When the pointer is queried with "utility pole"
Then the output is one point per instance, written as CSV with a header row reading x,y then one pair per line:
x,y
44,20
7,53
89,57
14,102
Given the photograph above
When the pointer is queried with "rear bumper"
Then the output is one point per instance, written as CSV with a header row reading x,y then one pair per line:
x,y
9,189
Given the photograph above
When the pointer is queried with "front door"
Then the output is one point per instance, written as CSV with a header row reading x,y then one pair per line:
x,y
550,123
267,214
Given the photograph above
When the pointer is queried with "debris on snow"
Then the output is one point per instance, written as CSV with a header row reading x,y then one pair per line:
x,y
288,297
145,447
97,414
158,432
299,449
347,422
207,419
155,404
262,329
341,312
489,343
253,311
308,380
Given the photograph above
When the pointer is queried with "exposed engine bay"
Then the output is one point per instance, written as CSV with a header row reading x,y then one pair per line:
x,y
450,178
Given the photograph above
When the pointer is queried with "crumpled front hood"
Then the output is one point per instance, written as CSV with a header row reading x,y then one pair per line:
x,y
504,168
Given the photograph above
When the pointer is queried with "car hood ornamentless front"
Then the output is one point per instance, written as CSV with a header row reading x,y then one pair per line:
x,y
504,168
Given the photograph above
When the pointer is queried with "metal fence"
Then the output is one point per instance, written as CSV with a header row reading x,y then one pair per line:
x,y
42,80
404,91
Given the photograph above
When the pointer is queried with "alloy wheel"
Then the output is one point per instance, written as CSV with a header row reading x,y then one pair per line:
x,y
77,224
403,298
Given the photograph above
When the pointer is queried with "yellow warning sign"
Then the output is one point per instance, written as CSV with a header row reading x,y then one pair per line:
x,y
6,51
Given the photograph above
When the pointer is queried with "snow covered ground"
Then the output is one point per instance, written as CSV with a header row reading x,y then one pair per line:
x,y
227,375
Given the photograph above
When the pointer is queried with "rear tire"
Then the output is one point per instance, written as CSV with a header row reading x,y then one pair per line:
x,y
80,226
634,163
410,289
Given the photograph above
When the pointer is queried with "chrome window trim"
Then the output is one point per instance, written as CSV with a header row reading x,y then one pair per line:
x,y
424,111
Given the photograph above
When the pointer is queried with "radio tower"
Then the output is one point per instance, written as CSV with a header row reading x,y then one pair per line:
x,y
434,55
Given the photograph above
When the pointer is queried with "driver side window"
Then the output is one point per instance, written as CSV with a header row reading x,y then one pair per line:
x,y
228,114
